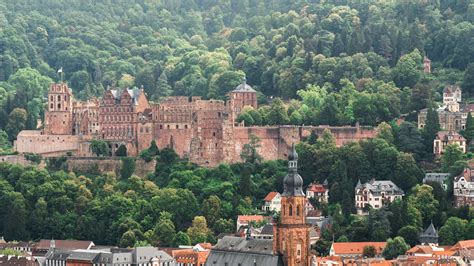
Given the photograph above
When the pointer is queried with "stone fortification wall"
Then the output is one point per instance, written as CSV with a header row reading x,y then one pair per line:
x,y
33,141
104,165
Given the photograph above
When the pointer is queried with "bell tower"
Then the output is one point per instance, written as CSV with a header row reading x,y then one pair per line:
x,y
291,233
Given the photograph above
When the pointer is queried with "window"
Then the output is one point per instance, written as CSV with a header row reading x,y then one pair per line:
x,y
290,210
177,126
59,97
297,210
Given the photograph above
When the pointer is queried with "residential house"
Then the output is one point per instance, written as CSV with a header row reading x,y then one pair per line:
x,y
190,256
463,188
354,249
440,178
376,194
17,261
464,244
445,138
272,202
320,192
245,220
143,256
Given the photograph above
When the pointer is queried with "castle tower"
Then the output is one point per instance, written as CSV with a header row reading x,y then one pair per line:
x,y
243,95
58,117
291,233
426,65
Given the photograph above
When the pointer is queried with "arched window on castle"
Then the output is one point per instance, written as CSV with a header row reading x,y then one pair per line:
x,y
290,210
298,210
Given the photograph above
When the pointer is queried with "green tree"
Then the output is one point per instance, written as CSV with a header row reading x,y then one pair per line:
x,y
250,152
451,155
422,199
128,167
369,251
408,69
128,239
468,79
394,248
198,231
182,238
468,132
211,209
16,122
164,229
99,147
277,114
452,231
384,131
121,151
410,234
432,127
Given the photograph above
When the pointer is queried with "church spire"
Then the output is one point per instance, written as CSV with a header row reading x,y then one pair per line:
x,y
293,183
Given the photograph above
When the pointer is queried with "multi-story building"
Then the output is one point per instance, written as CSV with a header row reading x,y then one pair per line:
x,y
272,202
318,191
452,115
202,130
445,138
463,188
376,194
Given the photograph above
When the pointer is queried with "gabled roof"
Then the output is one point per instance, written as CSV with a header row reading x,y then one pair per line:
x,y
449,135
249,218
378,186
271,195
65,244
465,244
356,248
316,188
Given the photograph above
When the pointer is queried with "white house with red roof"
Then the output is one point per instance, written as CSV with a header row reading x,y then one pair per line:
x,y
354,249
245,220
445,138
272,202
317,191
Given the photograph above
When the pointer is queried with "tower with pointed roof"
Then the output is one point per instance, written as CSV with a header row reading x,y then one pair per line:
x,y
429,236
243,95
291,233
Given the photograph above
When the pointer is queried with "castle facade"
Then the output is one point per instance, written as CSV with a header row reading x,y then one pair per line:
x,y
202,130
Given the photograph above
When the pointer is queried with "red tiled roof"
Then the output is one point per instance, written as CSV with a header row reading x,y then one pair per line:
x,y
270,196
356,247
455,136
64,244
465,244
248,218
316,188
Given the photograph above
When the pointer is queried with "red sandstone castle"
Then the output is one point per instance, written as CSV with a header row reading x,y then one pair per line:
x,y
202,130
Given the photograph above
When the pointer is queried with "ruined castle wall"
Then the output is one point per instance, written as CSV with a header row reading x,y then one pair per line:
x,y
269,141
48,145
104,165
178,139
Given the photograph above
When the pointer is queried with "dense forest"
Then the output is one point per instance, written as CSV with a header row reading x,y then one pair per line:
x,y
312,62
362,60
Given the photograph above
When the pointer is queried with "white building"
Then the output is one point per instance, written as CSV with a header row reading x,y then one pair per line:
x,y
452,96
272,202
445,138
440,178
463,188
317,191
376,194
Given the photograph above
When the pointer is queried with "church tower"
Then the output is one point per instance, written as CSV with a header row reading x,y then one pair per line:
x,y
291,233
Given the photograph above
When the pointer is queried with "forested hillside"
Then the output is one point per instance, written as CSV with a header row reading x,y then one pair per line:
x,y
351,51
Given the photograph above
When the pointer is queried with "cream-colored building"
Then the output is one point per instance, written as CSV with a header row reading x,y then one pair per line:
x,y
445,138
376,194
